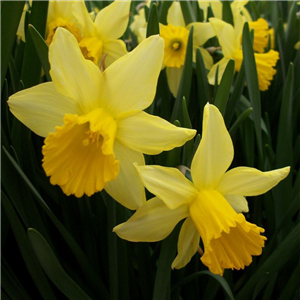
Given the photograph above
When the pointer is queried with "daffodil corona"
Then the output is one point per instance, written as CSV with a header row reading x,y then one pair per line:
x,y
94,122
211,204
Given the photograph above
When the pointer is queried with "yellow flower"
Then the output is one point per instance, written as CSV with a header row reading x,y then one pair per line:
x,y
94,122
95,38
211,204
175,35
229,39
261,35
175,44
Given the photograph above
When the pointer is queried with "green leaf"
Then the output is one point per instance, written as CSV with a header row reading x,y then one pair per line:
x,y
242,117
254,10
31,68
11,12
41,49
224,87
275,261
235,95
84,265
218,278
163,11
53,268
188,146
202,82
32,264
188,12
227,13
153,23
163,274
253,88
284,147
186,79
10,283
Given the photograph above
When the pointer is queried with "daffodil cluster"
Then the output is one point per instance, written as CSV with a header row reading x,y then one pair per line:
x,y
92,116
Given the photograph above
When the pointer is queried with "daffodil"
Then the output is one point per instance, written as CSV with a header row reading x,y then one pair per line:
x,y
175,35
94,123
229,38
95,38
261,34
211,203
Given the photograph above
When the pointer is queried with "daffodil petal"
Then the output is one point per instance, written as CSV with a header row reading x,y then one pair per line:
x,y
202,32
112,20
115,50
188,244
72,74
207,58
130,82
160,134
237,202
81,13
127,188
212,73
226,36
152,222
174,77
41,108
169,184
215,152
249,181
175,16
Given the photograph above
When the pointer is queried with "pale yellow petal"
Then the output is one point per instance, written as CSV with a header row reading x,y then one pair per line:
x,y
151,134
215,152
169,184
73,75
202,32
212,73
249,181
175,16
127,188
41,108
152,222
238,203
174,78
115,49
226,36
83,17
130,82
207,58
111,21
188,244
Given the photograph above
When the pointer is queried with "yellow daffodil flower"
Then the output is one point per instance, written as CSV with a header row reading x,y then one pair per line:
x,y
229,38
95,38
175,35
94,123
261,34
211,204
139,24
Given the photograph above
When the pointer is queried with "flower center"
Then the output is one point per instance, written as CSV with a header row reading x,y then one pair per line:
x,y
175,45
79,156
59,22
91,49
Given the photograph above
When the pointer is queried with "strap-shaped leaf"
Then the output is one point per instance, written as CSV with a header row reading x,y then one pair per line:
x,y
53,268
41,49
